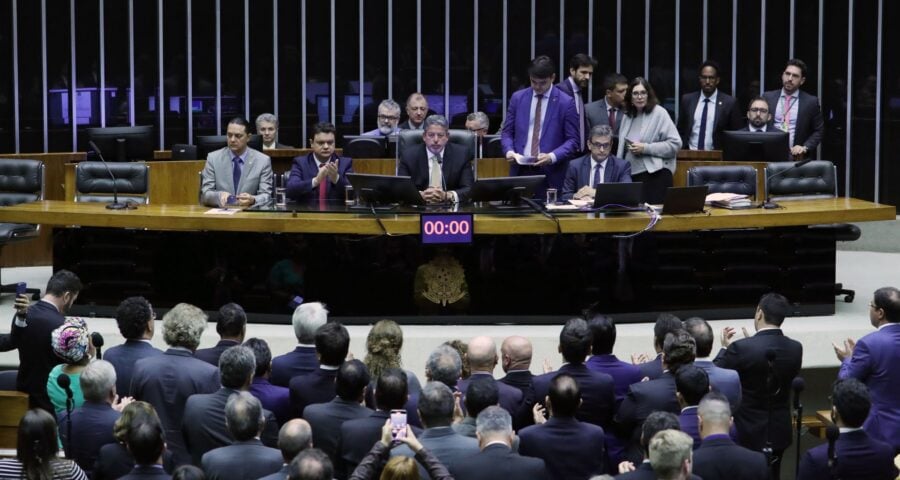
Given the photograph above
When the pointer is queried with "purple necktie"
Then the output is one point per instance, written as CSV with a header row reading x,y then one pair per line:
x,y
236,172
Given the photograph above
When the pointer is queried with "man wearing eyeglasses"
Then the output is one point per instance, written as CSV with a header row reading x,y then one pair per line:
x,y
705,114
585,173
478,123
388,118
442,171
875,361
759,119
416,110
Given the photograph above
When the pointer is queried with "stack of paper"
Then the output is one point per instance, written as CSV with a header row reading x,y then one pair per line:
x,y
728,200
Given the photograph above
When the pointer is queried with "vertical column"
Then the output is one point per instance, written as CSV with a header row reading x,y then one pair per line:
x,y
678,55
15,34
475,57
878,101
505,52
101,22
190,68
848,138
362,56
646,38
331,99
274,56
246,62
161,103
418,45
303,70
73,79
44,70
762,47
705,30
590,97
131,63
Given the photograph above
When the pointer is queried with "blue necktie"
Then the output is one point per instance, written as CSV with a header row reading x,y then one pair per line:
x,y
236,172
598,176
701,142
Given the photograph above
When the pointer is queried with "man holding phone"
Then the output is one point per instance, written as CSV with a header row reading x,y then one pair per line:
x,y
321,174
237,175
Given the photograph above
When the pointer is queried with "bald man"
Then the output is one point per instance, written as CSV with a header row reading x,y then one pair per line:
x,y
294,437
482,357
515,359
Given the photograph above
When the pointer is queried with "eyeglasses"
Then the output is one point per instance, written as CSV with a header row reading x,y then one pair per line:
x,y
638,94
873,306
389,117
759,110
600,146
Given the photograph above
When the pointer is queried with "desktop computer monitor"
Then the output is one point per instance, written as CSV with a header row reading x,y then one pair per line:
x,y
745,146
123,144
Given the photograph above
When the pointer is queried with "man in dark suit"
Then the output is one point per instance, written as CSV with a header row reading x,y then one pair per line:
x,y
585,173
581,69
597,389
875,360
857,454
358,436
797,112
231,327
603,335
515,359
267,128
496,459
705,114
311,464
436,413
416,111
30,334
759,118
294,437
609,109
92,422
656,422
481,392
146,442
540,131
326,418
720,379
767,364
246,457
718,457
274,398
320,174
205,421
135,319
665,323
643,398
482,358
442,171
166,381
307,318
569,448
691,384
332,345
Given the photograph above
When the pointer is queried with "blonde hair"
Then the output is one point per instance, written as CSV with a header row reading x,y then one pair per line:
x,y
183,325
383,346
400,468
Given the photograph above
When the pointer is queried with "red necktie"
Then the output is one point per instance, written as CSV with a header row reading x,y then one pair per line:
x,y
323,187
536,133
612,118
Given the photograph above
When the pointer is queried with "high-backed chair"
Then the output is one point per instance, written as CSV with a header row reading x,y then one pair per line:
x,y
21,181
407,138
365,146
740,179
94,184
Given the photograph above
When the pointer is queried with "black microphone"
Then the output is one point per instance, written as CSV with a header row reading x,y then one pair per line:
x,y
770,204
832,433
115,205
797,385
97,342
65,383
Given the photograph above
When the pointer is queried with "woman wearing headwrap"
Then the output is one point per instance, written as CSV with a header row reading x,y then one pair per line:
x,y
71,342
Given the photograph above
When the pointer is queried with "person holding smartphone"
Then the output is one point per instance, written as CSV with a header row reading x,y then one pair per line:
x,y
391,436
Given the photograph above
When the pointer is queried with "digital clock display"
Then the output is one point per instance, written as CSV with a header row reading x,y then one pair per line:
x,y
446,228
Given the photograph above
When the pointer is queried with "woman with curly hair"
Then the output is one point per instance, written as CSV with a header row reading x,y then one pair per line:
x,y
36,450
383,352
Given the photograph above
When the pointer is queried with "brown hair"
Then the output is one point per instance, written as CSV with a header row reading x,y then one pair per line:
x,y
400,468
652,101
383,346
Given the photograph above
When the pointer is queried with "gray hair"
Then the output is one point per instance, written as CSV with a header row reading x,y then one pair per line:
x,y
307,318
244,416
266,117
438,120
97,381
601,131
714,409
493,420
294,437
389,104
183,325
444,365
479,117
236,365
436,405
668,451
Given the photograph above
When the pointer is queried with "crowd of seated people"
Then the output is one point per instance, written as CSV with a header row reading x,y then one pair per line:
x,y
688,413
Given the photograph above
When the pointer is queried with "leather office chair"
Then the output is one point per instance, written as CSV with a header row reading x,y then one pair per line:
x,y
740,179
407,138
93,183
183,151
816,179
21,181
365,147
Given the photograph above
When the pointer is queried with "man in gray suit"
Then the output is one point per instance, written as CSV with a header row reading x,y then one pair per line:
x,y
609,108
723,380
247,457
436,413
237,172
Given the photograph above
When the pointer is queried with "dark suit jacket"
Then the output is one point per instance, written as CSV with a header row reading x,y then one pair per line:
x,y
300,361
598,400
748,357
456,167
510,397
642,399
578,174
123,357
498,461
858,456
652,369
316,387
770,127
690,424
279,475
114,461
597,113
523,380
211,355
166,381
358,436
326,420
623,373
727,117
810,126
204,427
141,472
304,170
92,427
645,472
569,448
876,362
273,398
406,126
719,458
559,134
241,460
36,357
725,381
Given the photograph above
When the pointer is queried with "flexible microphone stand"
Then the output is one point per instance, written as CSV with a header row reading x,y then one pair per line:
x,y
770,204
115,205
65,383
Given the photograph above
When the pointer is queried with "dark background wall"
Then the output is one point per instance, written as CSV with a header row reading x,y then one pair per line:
x,y
303,60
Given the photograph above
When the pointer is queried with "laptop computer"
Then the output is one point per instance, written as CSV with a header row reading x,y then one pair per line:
x,y
619,197
681,200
